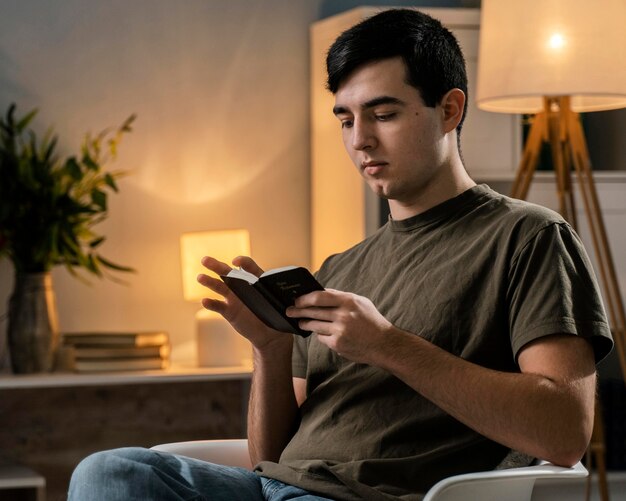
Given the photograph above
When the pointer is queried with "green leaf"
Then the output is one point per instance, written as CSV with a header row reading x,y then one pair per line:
x,y
113,147
110,182
24,121
126,126
47,155
48,145
99,198
73,169
90,163
72,249
115,266
10,113
93,265
96,242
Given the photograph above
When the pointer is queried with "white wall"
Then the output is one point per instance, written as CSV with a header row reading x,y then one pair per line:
x,y
221,139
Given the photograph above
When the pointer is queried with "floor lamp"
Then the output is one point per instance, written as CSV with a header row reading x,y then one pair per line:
x,y
555,58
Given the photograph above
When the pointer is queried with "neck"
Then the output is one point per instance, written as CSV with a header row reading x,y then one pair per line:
x,y
446,184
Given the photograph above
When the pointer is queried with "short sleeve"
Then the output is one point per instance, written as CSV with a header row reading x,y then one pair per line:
x,y
552,290
299,356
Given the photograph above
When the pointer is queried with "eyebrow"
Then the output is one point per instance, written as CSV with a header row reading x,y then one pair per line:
x,y
377,101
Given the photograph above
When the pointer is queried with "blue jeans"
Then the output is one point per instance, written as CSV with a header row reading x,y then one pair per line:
x,y
139,474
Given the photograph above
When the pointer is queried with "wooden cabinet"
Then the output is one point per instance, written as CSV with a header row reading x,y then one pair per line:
x,y
50,422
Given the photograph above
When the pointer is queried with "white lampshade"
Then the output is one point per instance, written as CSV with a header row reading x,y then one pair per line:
x,y
535,48
222,245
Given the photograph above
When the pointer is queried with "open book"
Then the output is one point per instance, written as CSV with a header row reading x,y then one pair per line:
x,y
269,295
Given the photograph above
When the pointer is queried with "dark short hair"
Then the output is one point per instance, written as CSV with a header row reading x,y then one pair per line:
x,y
431,53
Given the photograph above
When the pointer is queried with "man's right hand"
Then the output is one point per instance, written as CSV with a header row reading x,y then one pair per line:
x,y
232,309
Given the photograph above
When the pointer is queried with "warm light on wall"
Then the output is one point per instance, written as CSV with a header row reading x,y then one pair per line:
x,y
218,343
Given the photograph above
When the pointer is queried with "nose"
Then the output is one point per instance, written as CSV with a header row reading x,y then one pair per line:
x,y
363,136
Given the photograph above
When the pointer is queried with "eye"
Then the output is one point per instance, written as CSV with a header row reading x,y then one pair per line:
x,y
384,117
346,124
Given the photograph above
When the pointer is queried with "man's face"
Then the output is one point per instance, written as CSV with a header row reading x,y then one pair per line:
x,y
394,140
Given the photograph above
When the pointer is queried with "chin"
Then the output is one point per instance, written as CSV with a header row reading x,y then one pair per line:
x,y
379,189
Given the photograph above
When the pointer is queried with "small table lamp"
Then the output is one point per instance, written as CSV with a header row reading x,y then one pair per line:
x,y
218,343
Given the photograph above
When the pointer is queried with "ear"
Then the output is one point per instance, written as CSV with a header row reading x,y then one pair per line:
x,y
452,105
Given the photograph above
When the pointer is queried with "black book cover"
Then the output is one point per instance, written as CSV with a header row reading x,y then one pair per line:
x,y
271,294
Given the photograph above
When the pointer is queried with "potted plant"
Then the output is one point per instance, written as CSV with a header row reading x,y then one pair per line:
x,y
48,208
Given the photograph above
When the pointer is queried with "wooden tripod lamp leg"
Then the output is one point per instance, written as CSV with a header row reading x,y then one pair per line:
x,y
556,109
530,157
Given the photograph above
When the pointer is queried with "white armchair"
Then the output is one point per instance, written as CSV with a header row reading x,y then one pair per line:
x,y
514,484
225,452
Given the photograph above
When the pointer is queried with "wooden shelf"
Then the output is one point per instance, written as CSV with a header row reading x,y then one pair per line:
x,y
57,419
19,477
16,477
177,373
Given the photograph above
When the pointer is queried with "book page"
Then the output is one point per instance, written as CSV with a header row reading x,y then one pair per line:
x,y
278,270
250,278
243,275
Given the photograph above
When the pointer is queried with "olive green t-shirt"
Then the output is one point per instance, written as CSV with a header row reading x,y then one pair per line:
x,y
480,276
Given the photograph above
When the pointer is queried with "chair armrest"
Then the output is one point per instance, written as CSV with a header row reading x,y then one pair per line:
x,y
225,452
514,484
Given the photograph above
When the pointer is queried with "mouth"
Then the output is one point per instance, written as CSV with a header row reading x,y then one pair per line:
x,y
373,167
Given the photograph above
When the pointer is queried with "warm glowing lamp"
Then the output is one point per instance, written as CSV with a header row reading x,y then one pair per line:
x,y
535,49
557,58
218,343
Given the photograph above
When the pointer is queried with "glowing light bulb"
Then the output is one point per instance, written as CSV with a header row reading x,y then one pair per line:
x,y
556,41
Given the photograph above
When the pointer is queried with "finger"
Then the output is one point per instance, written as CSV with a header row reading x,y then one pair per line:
x,y
318,326
248,264
214,305
214,284
327,298
324,314
215,266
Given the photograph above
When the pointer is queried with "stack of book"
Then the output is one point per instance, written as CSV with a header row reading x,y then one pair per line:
x,y
116,351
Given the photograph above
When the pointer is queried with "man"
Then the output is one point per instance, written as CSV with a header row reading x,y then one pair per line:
x,y
466,328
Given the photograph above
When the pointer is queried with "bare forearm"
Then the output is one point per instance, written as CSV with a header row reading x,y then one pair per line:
x,y
273,411
532,413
